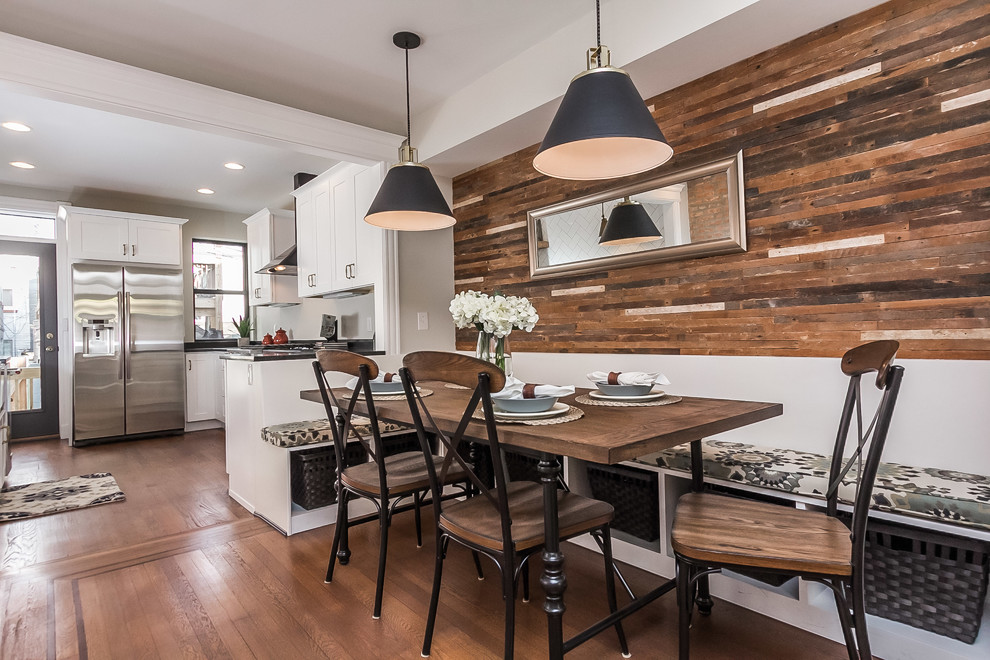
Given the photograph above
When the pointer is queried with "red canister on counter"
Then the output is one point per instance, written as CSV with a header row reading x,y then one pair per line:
x,y
267,339
281,337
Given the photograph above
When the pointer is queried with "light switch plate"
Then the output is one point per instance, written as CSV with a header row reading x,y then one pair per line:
x,y
422,321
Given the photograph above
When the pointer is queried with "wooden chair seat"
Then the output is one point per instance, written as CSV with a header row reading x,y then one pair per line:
x,y
726,530
405,473
477,520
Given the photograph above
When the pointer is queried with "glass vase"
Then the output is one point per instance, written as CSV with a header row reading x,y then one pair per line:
x,y
495,350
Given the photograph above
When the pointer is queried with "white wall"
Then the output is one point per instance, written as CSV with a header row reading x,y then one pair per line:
x,y
426,284
941,419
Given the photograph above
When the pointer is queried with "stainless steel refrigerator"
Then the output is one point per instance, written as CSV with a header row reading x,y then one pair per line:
x,y
128,354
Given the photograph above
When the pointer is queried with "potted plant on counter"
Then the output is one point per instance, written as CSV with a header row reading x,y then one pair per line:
x,y
244,329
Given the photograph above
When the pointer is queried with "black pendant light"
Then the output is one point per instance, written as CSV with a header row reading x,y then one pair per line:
x,y
602,128
409,199
601,227
629,223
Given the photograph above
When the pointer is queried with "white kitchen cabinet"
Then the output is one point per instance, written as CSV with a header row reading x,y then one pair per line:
x,y
269,233
220,397
338,250
201,386
113,236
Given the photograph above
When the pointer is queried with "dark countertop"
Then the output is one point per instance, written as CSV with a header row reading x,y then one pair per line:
x,y
292,351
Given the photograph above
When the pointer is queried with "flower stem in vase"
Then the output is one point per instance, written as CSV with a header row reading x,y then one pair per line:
x,y
494,349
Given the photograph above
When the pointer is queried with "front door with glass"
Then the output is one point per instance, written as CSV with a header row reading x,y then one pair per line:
x,y
28,336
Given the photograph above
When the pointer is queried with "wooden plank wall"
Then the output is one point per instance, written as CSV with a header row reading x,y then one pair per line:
x,y
866,149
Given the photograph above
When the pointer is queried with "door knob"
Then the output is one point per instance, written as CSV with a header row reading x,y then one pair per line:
x,y
49,335
49,349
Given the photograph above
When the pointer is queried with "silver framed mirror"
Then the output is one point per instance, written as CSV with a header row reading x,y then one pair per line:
x,y
699,211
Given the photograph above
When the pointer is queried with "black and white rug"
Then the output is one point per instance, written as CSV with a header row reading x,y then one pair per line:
x,y
45,497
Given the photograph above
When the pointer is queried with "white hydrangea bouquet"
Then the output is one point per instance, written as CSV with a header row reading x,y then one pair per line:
x,y
495,317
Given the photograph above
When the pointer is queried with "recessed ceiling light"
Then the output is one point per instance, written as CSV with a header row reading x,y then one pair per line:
x,y
21,164
233,166
205,191
16,126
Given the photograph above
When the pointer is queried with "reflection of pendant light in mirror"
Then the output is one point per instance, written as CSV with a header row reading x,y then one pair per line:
x,y
629,223
409,199
601,227
602,128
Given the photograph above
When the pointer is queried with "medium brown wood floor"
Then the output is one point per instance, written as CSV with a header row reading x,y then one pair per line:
x,y
181,570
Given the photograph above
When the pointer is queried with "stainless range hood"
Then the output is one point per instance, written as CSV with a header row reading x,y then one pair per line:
x,y
285,263
282,264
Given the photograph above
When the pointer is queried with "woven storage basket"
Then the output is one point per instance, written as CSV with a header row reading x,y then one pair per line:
x,y
634,494
403,442
927,580
313,474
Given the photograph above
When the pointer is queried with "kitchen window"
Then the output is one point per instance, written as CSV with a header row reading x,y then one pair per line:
x,y
219,288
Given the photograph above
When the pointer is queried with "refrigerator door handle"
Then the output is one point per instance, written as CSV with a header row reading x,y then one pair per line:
x,y
120,335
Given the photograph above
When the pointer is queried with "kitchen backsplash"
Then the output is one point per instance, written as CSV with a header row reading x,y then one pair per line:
x,y
355,318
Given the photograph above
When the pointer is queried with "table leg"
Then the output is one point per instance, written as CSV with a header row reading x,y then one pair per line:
x,y
704,599
553,579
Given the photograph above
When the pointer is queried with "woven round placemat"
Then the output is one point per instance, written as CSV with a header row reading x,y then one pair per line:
x,y
396,397
665,400
572,414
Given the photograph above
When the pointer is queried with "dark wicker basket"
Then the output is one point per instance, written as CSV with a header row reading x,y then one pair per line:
x,y
403,442
927,580
634,494
313,474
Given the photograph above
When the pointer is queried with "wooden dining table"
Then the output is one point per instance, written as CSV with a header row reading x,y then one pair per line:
x,y
604,434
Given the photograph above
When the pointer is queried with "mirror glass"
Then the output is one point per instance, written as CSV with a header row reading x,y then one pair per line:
x,y
698,212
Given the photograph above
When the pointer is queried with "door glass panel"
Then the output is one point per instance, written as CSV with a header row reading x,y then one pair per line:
x,y
20,327
215,314
27,226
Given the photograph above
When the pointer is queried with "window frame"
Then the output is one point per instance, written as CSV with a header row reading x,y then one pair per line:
x,y
218,292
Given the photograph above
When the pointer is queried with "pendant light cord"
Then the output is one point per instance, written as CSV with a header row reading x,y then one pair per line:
x,y
408,113
598,24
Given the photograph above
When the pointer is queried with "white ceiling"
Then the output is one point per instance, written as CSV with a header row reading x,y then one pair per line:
x,y
484,83
77,149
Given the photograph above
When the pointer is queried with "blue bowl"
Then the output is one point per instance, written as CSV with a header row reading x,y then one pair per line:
x,y
534,405
624,390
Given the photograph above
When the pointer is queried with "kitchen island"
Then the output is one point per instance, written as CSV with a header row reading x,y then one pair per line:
x,y
263,390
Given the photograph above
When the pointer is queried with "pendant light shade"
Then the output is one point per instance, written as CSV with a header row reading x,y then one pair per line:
x,y
629,223
602,128
409,198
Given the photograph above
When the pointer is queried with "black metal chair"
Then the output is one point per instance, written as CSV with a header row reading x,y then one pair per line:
x,y
505,522
711,532
385,480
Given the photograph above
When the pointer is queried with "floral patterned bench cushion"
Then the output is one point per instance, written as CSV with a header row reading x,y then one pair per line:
x,y
945,495
294,434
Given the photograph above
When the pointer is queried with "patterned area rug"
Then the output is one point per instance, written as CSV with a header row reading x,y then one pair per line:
x,y
40,499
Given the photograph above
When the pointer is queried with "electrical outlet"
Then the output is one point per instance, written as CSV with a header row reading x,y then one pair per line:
x,y
422,321
371,324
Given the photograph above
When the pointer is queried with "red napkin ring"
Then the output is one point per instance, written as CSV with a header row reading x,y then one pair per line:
x,y
389,377
529,390
613,377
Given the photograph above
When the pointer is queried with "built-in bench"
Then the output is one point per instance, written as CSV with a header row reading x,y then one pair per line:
x,y
943,495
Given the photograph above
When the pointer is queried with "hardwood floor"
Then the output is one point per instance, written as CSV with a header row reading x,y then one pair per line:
x,y
180,570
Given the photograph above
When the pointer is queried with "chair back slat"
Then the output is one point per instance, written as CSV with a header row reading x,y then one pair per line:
x,y
481,378
365,369
870,437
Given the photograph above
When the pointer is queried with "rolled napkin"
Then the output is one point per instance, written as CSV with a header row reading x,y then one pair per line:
x,y
383,377
516,389
628,378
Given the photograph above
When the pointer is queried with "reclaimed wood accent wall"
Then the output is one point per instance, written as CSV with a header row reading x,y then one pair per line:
x,y
866,153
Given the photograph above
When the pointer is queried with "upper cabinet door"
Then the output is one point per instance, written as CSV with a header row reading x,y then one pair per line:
x,y
113,236
155,242
306,242
98,237
344,234
259,254
324,256
367,268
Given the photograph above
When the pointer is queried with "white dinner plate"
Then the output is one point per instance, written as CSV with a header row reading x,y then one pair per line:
x,y
558,409
655,394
